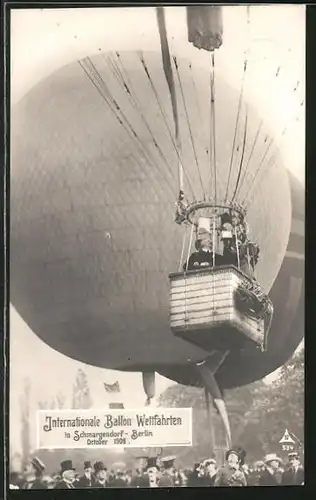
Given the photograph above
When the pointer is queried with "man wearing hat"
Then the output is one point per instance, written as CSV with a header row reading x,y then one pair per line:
x,y
100,476
294,474
141,479
194,476
270,475
209,472
167,477
231,474
118,480
67,473
85,481
152,471
35,480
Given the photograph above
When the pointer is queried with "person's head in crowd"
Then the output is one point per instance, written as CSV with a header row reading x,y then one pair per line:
x,y
87,469
48,482
68,472
142,464
168,464
152,469
294,459
28,471
100,472
38,467
259,466
245,468
273,462
196,468
210,467
235,458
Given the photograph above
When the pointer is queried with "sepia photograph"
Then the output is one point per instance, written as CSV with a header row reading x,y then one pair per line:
x,y
157,246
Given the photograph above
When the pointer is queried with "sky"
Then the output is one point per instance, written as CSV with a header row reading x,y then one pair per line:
x,y
44,40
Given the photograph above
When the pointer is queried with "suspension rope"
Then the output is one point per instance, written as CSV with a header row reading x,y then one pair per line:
x,y
129,132
189,125
143,148
242,154
213,257
213,123
270,164
128,87
197,99
165,121
258,169
250,156
237,247
185,275
236,127
183,246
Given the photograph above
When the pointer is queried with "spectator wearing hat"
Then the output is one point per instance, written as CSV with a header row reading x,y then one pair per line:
x,y
231,474
194,476
167,477
294,474
100,476
152,471
141,479
67,473
210,471
118,480
37,483
270,475
85,481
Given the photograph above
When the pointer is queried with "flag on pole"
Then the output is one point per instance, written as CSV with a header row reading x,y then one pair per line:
x,y
112,388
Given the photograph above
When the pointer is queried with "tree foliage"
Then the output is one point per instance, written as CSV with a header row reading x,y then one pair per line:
x,y
57,403
259,413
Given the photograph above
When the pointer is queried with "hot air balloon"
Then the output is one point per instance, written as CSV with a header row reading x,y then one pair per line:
x,y
98,161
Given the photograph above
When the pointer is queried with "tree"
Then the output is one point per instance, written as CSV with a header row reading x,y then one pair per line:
x,y
238,401
81,398
279,406
258,413
56,403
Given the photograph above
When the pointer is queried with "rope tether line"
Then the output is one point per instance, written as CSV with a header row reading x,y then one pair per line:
x,y
188,123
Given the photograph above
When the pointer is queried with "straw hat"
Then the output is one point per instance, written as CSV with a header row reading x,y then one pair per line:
x,y
271,457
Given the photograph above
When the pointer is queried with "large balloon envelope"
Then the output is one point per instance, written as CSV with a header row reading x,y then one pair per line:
x,y
92,232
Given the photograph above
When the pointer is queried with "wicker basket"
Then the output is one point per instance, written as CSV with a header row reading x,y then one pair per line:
x,y
203,309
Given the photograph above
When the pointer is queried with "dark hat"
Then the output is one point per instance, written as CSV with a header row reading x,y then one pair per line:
x,y
99,466
38,464
293,454
198,244
241,454
209,461
87,465
167,461
226,217
152,462
66,465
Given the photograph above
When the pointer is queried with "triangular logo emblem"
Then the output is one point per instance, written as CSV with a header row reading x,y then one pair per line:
x,y
286,438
